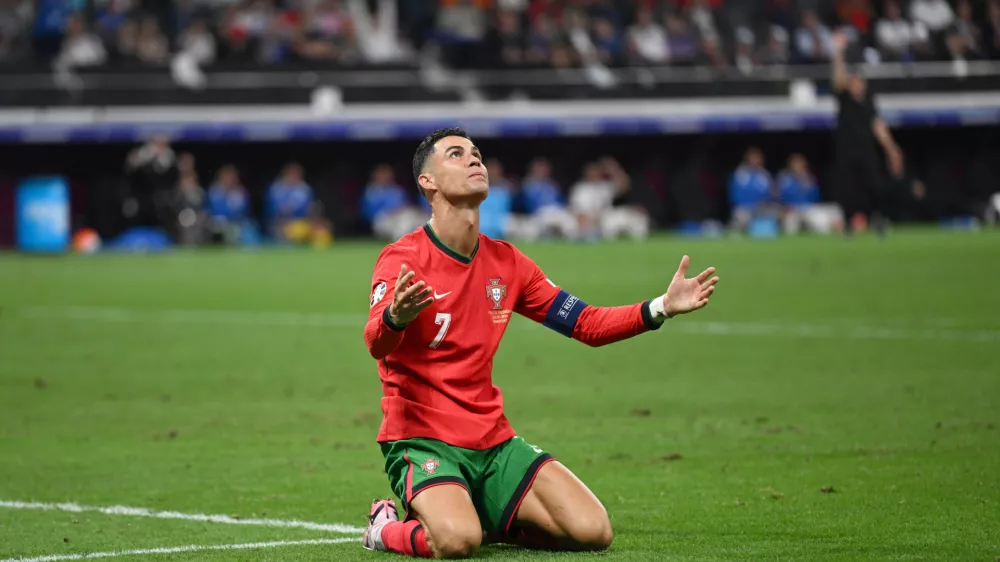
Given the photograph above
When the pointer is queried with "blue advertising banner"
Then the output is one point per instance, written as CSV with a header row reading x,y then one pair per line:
x,y
42,215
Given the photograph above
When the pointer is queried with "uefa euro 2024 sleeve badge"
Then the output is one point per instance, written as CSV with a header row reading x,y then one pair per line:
x,y
378,293
496,293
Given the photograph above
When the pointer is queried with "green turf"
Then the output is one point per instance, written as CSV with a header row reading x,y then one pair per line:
x,y
238,383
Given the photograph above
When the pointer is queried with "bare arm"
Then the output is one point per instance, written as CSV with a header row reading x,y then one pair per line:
x,y
839,79
893,154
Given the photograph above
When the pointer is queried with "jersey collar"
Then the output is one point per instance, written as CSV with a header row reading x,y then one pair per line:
x,y
446,249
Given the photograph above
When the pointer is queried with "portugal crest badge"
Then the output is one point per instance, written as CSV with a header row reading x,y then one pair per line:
x,y
496,293
430,466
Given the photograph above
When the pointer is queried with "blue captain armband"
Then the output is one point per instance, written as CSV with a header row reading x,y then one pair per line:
x,y
563,313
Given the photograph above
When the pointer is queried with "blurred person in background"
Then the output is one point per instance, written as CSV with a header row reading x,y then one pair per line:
x,y
935,15
897,38
776,51
506,44
751,191
377,34
547,214
647,40
461,29
151,170
593,198
813,39
798,193
859,174
198,43
293,214
14,16
386,207
80,47
152,46
188,205
229,209
991,30
682,40
963,38
495,212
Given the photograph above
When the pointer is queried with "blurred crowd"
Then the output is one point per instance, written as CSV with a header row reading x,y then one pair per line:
x,y
496,33
165,191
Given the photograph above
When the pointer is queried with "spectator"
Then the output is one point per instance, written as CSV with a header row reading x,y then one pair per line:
x,y
813,40
198,43
331,22
13,16
495,211
855,13
898,38
80,47
386,208
111,17
506,42
378,36
647,41
293,214
699,12
799,196
229,209
543,202
751,190
781,13
188,205
151,45
963,38
607,42
543,40
935,15
776,52
745,57
682,41
991,30
152,173
461,29
592,199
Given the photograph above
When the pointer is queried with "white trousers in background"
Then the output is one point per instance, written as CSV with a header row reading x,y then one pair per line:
x,y
547,221
399,223
821,218
624,221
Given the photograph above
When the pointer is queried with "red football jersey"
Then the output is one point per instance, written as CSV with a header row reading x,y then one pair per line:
x,y
437,371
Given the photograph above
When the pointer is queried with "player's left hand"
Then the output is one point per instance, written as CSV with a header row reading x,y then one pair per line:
x,y
686,295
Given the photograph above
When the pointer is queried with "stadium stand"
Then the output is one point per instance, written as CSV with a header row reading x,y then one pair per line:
x,y
227,78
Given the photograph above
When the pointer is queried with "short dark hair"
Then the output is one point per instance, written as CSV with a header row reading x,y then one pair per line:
x,y
426,148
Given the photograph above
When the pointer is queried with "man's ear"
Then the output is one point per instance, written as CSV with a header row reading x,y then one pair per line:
x,y
426,181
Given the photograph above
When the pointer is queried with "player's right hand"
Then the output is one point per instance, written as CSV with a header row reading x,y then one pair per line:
x,y
408,298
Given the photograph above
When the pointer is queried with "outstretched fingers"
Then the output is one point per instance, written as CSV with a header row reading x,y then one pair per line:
x,y
706,274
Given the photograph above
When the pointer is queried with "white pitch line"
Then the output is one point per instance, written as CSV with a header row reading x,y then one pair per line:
x,y
306,320
144,512
175,550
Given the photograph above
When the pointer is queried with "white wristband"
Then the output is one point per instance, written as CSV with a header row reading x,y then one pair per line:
x,y
657,309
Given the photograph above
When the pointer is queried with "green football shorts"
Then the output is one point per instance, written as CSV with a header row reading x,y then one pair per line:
x,y
497,478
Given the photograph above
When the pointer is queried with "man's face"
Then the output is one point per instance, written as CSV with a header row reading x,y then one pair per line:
x,y
293,174
755,158
797,163
541,169
455,169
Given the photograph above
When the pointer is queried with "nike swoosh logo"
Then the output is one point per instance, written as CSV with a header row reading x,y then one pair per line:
x,y
441,296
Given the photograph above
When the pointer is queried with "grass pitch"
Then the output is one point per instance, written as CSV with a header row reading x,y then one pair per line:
x,y
838,400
